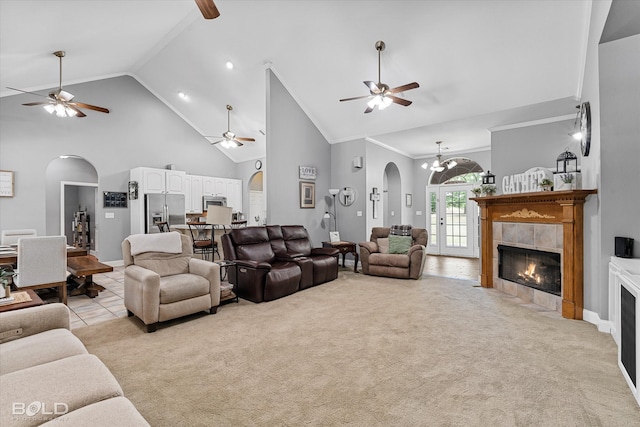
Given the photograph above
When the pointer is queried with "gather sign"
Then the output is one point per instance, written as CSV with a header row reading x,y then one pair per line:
x,y
525,182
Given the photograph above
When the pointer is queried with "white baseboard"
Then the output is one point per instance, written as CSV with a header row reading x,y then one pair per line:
x,y
605,326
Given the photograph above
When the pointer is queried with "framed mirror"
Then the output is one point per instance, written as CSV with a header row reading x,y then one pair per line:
x,y
347,196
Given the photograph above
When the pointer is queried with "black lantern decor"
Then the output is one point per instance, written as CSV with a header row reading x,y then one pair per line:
x,y
489,178
567,162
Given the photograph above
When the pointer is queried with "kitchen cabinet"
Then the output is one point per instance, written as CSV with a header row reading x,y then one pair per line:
x,y
220,187
193,195
208,186
234,194
159,181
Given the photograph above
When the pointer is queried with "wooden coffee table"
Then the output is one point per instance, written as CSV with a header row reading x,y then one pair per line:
x,y
35,300
344,248
83,268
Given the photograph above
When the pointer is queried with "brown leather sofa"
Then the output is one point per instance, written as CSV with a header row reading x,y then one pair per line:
x,y
402,266
276,261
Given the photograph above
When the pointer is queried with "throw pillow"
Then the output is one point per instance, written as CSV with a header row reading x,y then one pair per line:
x,y
400,230
383,245
399,244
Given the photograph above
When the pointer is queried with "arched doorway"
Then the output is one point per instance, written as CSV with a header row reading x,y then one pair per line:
x,y
71,187
453,218
257,205
391,195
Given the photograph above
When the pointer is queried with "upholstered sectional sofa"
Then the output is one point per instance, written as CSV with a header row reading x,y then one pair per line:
x,y
47,376
275,261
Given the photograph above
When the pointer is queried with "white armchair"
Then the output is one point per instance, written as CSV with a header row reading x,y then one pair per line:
x,y
42,263
162,281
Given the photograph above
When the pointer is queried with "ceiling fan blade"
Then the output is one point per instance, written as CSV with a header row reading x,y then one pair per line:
x,y
238,143
373,87
26,91
208,9
355,97
245,139
31,104
400,101
368,110
78,112
90,107
408,86
214,142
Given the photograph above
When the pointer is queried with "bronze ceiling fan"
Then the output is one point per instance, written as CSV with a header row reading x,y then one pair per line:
x,y
208,9
230,140
61,102
380,94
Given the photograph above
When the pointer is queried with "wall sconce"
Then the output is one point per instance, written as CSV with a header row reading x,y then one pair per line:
x,y
357,162
489,178
133,190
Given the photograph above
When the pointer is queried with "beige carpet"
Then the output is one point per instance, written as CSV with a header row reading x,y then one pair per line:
x,y
365,351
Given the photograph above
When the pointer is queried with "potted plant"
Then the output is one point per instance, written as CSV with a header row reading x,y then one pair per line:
x,y
546,184
489,189
476,191
5,286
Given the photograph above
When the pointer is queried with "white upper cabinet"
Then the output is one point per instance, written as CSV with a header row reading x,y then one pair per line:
x,y
194,192
175,182
208,186
152,181
159,181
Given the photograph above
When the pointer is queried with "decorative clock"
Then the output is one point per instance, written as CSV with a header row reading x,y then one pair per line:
x,y
258,164
585,128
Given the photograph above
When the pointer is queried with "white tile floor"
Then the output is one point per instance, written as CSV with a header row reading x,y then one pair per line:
x,y
109,304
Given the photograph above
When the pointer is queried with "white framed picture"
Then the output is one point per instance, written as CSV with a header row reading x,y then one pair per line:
x,y
334,236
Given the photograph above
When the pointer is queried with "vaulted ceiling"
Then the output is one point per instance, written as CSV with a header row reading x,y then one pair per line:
x,y
480,64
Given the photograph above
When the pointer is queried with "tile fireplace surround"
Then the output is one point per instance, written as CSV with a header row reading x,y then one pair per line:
x,y
551,221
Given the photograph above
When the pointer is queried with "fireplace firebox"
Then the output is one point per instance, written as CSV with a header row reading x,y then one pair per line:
x,y
530,267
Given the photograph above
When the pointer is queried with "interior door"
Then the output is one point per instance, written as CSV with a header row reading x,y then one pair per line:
x,y
452,221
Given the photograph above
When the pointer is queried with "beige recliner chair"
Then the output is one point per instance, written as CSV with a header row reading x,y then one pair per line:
x,y
377,261
162,281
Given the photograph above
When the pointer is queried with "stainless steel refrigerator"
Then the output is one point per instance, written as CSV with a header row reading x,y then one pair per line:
x,y
163,207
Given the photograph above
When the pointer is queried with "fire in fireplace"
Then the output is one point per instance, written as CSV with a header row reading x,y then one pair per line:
x,y
529,267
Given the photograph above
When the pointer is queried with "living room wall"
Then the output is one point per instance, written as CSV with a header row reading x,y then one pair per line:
x,y
293,141
139,131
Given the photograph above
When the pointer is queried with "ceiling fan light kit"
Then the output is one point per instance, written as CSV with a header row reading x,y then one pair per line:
x,y
61,102
381,96
230,140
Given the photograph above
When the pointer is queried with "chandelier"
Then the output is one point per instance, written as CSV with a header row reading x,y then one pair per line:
x,y
438,164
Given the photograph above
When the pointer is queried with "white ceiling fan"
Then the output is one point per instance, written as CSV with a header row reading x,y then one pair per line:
x,y
230,140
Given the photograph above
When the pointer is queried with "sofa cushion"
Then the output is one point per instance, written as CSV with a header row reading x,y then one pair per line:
x,y
117,411
159,242
297,239
37,349
163,264
400,230
399,244
75,381
391,260
383,245
181,287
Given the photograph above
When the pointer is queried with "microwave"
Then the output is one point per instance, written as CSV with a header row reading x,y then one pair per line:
x,y
213,200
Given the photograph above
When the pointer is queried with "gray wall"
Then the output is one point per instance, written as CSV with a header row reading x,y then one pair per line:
x,y
139,131
351,226
620,145
294,141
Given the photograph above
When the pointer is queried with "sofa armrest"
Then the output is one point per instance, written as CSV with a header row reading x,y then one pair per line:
x,y
372,247
415,248
211,272
325,251
142,293
33,320
252,264
288,256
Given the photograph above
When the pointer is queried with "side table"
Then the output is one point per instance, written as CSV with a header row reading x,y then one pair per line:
x,y
35,300
227,290
345,248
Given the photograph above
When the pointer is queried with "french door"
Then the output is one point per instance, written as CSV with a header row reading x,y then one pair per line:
x,y
453,221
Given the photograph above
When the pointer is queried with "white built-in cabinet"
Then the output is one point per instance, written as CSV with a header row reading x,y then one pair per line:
x,y
221,187
160,181
208,186
193,195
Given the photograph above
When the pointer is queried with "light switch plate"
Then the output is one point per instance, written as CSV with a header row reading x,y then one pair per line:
x,y
359,213
419,213
109,215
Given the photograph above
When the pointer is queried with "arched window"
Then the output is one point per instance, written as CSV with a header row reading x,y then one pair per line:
x,y
466,171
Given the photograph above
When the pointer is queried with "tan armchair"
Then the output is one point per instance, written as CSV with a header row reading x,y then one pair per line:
x,y
162,281
376,260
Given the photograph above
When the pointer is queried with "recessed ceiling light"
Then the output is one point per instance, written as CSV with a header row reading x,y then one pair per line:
x,y
183,95
229,65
